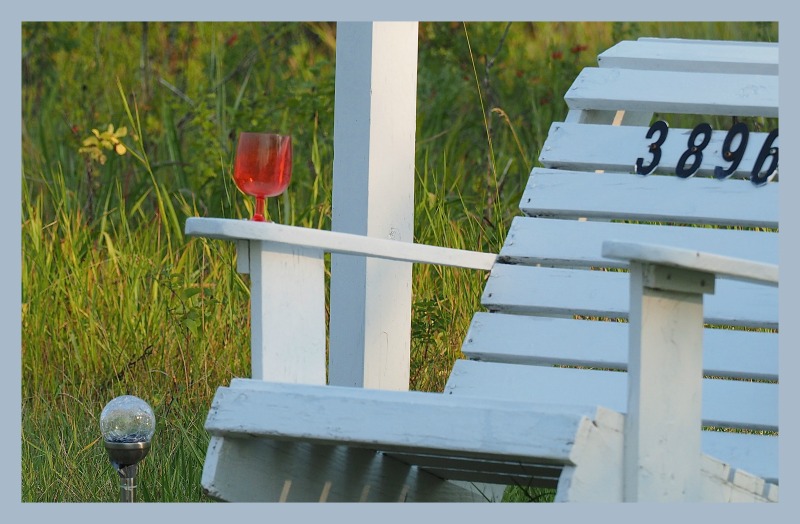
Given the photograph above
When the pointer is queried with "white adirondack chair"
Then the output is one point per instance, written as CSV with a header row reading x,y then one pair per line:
x,y
677,403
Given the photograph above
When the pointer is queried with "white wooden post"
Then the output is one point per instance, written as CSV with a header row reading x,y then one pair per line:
x,y
373,195
287,309
662,449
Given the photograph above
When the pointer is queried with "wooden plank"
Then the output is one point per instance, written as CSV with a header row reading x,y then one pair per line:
x,y
491,477
557,291
264,470
373,195
726,403
484,471
406,421
667,54
589,147
599,452
530,340
674,92
498,472
607,117
735,268
334,242
287,310
573,243
724,483
553,193
665,389
754,453
691,41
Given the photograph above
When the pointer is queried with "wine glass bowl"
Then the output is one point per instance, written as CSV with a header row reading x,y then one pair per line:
x,y
263,167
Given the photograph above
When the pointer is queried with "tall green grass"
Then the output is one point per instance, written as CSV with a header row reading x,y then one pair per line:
x,y
116,301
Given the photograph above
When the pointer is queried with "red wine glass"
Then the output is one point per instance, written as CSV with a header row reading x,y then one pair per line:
x,y
263,167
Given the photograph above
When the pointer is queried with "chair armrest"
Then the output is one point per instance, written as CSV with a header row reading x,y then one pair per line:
x,y
665,363
287,288
734,268
335,242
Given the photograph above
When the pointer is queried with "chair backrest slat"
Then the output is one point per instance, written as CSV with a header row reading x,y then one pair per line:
x,y
573,243
558,291
706,56
532,340
674,92
617,148
608,196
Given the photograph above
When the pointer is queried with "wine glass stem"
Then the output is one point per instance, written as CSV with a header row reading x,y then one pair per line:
x,y
259,214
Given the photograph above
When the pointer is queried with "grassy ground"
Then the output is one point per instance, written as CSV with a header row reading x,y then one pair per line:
x,y
116,301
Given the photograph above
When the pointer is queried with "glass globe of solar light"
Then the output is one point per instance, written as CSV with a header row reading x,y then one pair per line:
x,y
127,424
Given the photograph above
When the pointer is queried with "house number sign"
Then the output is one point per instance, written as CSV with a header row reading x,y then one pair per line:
x,y
764,168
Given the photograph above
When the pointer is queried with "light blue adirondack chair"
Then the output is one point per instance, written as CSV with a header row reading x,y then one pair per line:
x,y
629,348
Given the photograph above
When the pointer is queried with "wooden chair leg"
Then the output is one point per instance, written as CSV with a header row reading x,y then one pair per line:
x,y
287,308
663,425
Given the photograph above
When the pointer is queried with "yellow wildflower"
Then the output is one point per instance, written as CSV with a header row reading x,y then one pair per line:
x,y
108,139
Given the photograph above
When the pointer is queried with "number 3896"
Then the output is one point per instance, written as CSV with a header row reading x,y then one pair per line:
x,y
764,168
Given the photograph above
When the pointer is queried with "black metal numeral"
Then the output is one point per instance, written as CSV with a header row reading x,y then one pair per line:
x,y
660,127
694,150
734,156
767,151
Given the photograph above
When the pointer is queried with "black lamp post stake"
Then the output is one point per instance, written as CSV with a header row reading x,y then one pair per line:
x,y
125,457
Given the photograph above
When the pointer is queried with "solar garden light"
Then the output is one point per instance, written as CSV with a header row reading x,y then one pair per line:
x,y
127,423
